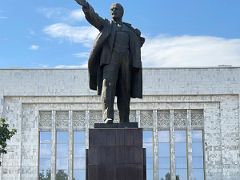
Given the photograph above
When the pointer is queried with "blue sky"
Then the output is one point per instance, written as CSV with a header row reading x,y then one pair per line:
x,y
54,33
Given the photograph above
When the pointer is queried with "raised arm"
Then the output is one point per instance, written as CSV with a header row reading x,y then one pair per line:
x,y
82,3
91,16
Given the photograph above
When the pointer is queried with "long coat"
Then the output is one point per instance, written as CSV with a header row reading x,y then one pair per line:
x,y
102,51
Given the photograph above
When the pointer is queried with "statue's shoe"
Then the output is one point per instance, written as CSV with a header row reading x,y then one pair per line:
x,y
108,121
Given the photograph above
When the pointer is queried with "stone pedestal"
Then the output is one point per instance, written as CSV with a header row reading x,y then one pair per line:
x,y
116,154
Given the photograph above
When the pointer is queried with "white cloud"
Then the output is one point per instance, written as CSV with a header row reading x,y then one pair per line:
x,y
81,55
183,51
84,65
62,14
83,34
54,12
77,15
162,51
70,66
63,66
43,65
34,47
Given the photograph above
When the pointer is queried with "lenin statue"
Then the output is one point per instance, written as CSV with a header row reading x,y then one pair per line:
x,y
114,65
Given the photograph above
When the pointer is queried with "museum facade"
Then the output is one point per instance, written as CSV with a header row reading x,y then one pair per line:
x,y
190,120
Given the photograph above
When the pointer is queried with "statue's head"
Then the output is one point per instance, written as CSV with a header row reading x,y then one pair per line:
x,y
117,11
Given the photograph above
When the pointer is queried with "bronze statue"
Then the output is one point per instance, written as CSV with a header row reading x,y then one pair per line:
x,y
115,67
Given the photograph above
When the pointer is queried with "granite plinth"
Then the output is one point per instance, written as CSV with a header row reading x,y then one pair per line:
x,y
116,154
116,125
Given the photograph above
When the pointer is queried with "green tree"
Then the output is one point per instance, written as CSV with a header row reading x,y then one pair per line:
x,y
61,175
45,175
5,134
168,177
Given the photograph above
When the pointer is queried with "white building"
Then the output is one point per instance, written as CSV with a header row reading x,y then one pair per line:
x,y
190,118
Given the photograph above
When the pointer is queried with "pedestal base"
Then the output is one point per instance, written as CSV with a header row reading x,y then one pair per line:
x,y
117,125
116,154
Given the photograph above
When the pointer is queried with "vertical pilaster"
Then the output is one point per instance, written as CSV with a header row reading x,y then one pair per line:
x,y
138,118
37,144
20,128
212,143
172,146
87,119
53,147
39,141
1,105
155,146
11,162
1,115
189,145
70,146
239,135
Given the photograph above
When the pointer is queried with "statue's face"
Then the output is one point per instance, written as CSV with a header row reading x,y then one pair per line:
x,y
116,11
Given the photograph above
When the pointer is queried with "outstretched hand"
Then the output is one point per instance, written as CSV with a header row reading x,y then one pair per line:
x,y
82,2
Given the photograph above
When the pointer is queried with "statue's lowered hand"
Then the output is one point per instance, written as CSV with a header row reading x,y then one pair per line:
x,y
82,2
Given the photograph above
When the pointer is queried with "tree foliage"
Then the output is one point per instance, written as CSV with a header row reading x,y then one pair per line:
x,y
5,134
168,177
61,175
46,175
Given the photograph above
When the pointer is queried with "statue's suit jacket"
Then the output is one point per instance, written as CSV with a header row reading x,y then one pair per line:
x,y
102,52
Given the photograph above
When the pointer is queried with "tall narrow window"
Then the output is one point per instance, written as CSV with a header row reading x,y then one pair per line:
x,y
79,155
148,144
62,155
45,156
181,154
197,153
164,155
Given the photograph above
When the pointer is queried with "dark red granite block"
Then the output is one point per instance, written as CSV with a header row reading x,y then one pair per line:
x,y
116,154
